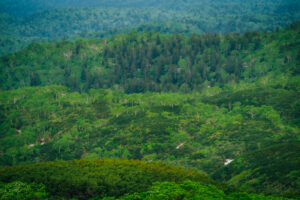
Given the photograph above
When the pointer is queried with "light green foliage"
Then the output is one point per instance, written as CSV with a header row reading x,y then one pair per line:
x,y
22,191
49,123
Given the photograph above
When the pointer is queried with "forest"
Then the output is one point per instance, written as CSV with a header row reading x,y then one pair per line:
x,y
196,126
141,62
27,21
149,100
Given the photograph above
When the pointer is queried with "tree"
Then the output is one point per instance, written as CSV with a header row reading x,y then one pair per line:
x,y
35,79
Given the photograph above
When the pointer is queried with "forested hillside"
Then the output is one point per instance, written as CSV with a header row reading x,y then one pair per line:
x,y
51,123
149,100
110,180
251,80
158,62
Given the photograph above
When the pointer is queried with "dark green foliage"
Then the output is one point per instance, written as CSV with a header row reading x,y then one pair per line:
x,y
110,180
35,79
273,170
155,62
86,179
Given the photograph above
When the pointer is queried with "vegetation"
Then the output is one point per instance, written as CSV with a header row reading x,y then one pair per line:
x,y
37,20
109,180
157,62
22,191
110,99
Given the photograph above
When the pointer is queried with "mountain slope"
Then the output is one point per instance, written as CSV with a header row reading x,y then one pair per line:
x,y
244,82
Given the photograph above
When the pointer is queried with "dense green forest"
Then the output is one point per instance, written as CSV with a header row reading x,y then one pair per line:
x,y
134,126
52,123
158,62
42,21
149,100
193,101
